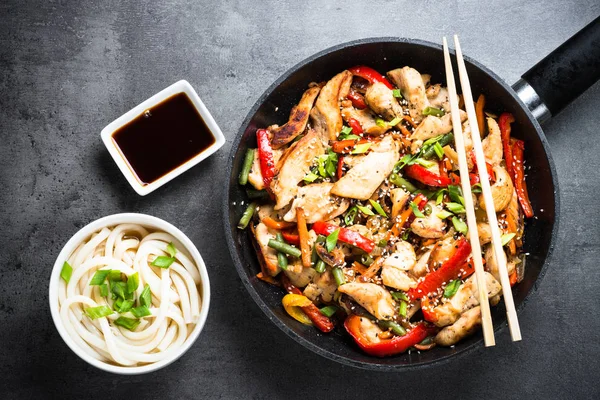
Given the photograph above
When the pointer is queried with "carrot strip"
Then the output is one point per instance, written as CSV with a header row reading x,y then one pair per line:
x,y
268,279
274,224
479,113
303,235
359,268
374,268
408,119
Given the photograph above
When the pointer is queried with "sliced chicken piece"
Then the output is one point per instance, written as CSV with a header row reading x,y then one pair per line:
x,y
255,176
502,190
490,260
395,267
410,82
431,127
492,144
493,289
421,268
326,116
426,79
323,285
381,100
438,97
353,160
299,276
366,119
296,124
295,167
485,232
363,179
374,298
465,326
263,234
267,210
318,203
399,198
430,226
442,250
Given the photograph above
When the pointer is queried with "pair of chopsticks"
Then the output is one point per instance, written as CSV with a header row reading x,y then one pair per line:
x,y
513,322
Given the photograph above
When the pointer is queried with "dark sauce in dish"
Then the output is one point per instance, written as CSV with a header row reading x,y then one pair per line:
x,y
163,138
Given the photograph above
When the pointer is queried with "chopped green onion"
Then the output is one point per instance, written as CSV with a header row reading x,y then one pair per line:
x,y
443,141
403,308
444,214
133,282
452,288
361,148
350,216
395,121
119,289
328,311
346,130
393,326
115,275
127,323
382,243
440,196
320,266
366,260
401,182
100,276
459,225
125,306
455,193
405,234
171,249
104,290
436,112
163,261
98,312
146,296
285,248
476,188
365,210
311,177
455,208
246,217
331,240
254,194
405,160
425,163
507,237
246,166
399,296
432,140
427,210
381,122
66,272
338,275
141,311
415,210
378,208
396,93
439,151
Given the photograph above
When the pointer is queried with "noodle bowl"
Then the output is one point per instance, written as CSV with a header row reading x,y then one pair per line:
x,y
135,294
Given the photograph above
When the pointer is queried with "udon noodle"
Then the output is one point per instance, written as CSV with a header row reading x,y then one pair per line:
x,y
175,304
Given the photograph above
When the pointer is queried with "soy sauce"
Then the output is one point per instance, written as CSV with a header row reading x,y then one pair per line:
x,y
163,138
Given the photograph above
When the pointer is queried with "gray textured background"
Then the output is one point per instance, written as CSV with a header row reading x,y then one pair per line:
x,y
67,68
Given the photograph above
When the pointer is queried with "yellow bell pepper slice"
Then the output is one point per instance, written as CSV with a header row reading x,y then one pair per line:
x,y
292,303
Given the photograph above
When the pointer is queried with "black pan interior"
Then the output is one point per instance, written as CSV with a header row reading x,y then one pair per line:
x,y
384,54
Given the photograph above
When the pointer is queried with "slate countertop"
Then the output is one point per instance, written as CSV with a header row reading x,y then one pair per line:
x,y
68,68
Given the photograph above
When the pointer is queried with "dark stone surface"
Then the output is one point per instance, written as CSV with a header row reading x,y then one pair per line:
x,y
68,68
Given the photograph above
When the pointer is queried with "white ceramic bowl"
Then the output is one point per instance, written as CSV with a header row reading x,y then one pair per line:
x,y
149,222
178,87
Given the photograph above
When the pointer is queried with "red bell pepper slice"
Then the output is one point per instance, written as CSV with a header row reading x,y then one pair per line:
x,y
425,176
355,125
357,99
265,156
387,347
345,235
518,148
370,74
322,322
452,268
346,146
340,167
291,238
504,124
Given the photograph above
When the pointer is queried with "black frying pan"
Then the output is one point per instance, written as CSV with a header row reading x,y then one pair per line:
x,y
545,89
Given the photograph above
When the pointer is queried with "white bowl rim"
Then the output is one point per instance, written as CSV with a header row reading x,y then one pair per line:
x,y
146,221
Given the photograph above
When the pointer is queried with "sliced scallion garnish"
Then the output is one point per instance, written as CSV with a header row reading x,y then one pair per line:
x,y
455,208
328,311
507,237
399,296
346,130
146,296
381,123
452,288
396,93
100,276
141,311
415,210
424,163
127,323
378,208
104,290
98,312
365,210
439,151
163,261
66,272
331,240
444,214
124,306
459,225
395,121
171,249
133,281
361,148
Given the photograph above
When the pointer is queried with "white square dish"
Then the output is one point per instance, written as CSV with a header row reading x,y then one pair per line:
x,y
140,187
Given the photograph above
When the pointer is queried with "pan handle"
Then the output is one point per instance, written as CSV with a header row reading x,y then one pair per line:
x,y
551,84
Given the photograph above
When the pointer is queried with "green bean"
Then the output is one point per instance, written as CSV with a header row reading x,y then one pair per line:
x,y
282,260
285,248
433,111
444,141
248,160
320,266
338,275
403,183
395,327
254,194
247,216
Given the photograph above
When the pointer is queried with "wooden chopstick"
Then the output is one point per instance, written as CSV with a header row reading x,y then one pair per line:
x,y
486,317
511,313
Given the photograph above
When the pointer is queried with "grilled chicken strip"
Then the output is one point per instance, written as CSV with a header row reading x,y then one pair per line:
x,y
326,116
364,178
465,326
381,100
431,127
411,85
318,203
396,265
296,124
294,168
372,297
492,144
366,119
438,97
430,226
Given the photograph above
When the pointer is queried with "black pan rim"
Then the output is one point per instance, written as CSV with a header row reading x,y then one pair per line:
x,y
238,262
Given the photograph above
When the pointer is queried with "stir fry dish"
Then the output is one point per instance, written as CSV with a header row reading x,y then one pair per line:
x,y
357,212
